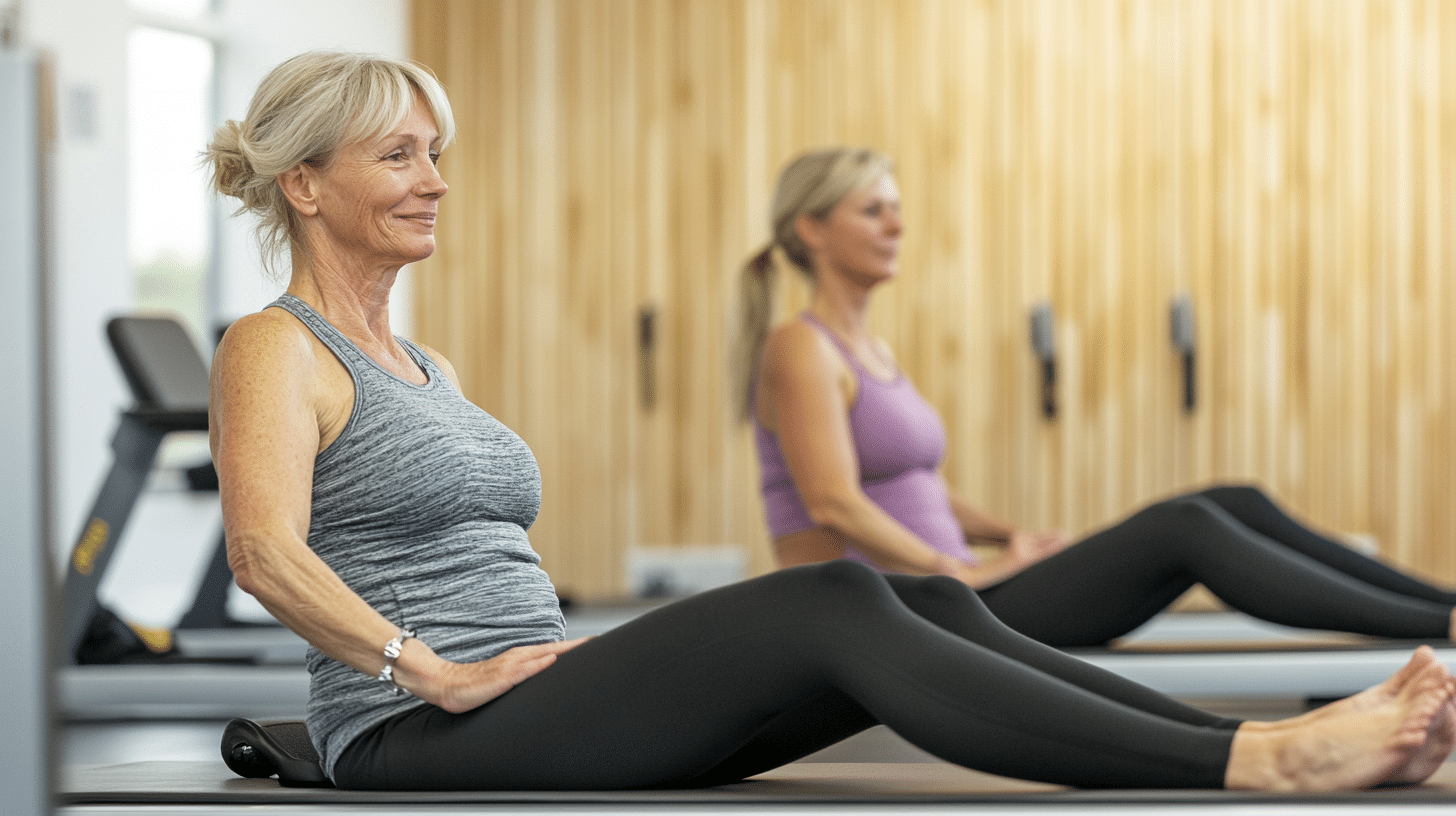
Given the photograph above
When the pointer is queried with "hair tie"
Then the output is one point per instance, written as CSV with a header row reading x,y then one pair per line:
x,y
763,261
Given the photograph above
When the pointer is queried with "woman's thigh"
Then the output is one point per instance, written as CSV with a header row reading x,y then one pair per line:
x,y
1091,593
669,698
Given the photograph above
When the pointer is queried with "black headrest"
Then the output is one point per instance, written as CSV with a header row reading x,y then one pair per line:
x,y
160,361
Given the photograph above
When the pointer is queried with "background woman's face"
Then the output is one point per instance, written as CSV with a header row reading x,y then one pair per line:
x,y
860,238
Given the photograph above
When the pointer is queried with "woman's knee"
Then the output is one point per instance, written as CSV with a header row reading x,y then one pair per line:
x,y
856,589
844,591
930,596
1229,496
827,578
842,574
942,600
1189,521
1191,509
933,589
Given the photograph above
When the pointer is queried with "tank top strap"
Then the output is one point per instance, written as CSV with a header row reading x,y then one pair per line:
x,y
353,358
346,351
844,350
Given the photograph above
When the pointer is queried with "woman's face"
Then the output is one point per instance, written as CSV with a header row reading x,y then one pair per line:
x,y
860,238
377,201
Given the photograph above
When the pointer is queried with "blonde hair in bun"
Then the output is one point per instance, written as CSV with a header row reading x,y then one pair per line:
x,y
305,110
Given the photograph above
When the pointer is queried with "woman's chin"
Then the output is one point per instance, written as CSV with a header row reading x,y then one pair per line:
x,y
421,252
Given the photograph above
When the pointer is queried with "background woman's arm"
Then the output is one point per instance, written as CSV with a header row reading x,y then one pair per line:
x,y
1019,548
805,392
804,395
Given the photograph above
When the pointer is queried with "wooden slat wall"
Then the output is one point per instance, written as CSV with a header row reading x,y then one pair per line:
x,y
1289,164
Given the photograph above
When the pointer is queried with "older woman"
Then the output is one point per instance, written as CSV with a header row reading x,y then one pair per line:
x,y
849,451
376,512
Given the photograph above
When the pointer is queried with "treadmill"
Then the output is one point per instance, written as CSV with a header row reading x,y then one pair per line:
x,y
210,664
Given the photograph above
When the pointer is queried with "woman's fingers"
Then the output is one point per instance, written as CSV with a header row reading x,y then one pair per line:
x,y
557,647
475,684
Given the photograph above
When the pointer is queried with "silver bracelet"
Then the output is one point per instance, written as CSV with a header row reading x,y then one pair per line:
x,y
392,651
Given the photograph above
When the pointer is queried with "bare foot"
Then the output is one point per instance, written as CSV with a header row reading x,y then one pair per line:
x,y
1377,694
1440,738
1433,753
1352,747
1383,692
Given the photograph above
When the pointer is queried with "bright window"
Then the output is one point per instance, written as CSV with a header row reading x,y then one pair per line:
x,y
191,9
170,116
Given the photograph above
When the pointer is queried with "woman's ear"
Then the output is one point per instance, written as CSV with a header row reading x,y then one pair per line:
x,y
809,230
299,186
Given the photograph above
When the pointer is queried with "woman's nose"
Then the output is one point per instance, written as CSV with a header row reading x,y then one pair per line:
x,y
432,185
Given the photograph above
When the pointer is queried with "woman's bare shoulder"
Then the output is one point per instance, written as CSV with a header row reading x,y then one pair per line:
x,y
271,376
794,347
265,346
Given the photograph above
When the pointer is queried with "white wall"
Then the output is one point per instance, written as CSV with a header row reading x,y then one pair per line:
x,y
85,43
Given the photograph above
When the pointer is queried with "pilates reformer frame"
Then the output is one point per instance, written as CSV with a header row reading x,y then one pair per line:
x,y
1230,655
1189,655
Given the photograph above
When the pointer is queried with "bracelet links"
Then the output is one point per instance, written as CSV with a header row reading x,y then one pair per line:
x,y
392,650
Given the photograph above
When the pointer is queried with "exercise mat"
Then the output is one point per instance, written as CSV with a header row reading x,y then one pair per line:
x,y
800,783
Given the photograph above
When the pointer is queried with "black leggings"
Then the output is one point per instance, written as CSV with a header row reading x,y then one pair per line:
x,y
1238,543
736,681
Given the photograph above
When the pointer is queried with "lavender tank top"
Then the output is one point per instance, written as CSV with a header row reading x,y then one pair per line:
x,y
899,441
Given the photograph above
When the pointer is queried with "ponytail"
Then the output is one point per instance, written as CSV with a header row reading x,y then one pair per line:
x,y
756,282
811,184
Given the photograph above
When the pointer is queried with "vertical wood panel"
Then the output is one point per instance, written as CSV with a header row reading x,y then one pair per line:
x,y
1288,164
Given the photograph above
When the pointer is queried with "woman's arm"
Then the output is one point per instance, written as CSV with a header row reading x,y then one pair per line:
x,y
278,397
805,391
979,524
1019,548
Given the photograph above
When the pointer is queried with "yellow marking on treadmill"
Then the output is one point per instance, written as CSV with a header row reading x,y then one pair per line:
x,y
157,640
93,541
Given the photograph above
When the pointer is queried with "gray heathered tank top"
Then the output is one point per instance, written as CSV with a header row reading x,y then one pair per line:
x,y
421,506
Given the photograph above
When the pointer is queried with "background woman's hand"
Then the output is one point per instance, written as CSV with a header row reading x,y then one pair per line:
x,y
458,687
1023,548
1027,547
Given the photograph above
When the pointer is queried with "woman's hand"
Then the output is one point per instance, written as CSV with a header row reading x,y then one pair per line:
x,y
1027,547
1023,548
459,687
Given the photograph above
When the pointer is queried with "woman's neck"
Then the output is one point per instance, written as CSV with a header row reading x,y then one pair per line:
x,y
355,302
843,309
